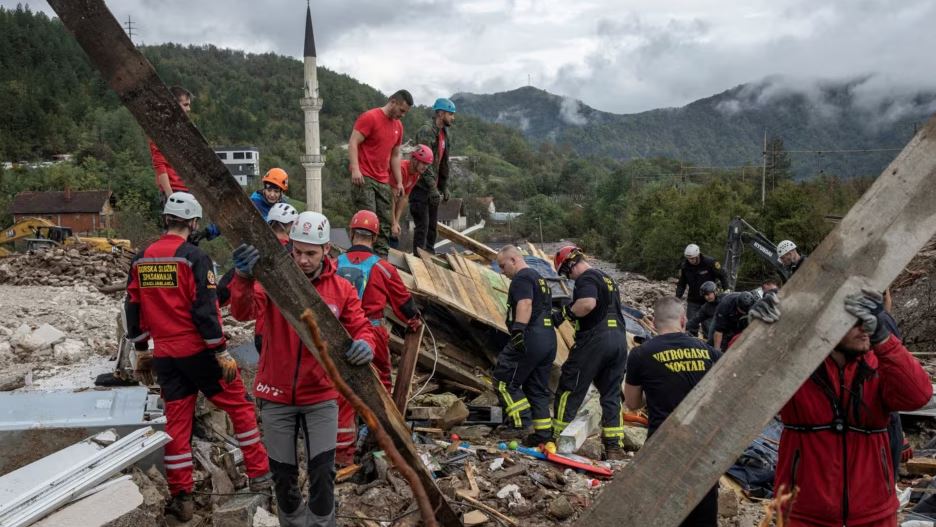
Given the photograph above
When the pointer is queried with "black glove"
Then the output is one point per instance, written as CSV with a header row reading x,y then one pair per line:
x,y
142,345
868,306
517,330
556,316
435,197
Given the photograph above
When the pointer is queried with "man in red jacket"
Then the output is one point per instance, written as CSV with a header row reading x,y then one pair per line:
x,y
166,178
378,284
834,445
292,389
171,298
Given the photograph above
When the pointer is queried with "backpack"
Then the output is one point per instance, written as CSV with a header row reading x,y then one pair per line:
x,y
356,273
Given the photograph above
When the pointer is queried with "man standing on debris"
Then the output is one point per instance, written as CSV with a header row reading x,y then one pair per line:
x,y
275,184
378,284
834,446
171,298
523,366
731,317
695,270
790,256
292,389
664,370
705,314
411,169
600,351
167,179
432,187
373,155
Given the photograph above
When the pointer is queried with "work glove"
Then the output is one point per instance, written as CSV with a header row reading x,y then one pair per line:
x,y
517,340
446,195
906,452
245,258
435,197
359,353
867,307
212,231
556,316
228,365
766,309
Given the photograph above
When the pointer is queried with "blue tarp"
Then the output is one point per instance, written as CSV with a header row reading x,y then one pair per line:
x,y
756,467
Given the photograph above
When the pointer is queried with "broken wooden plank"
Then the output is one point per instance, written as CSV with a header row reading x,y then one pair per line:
x,y
421,275
729,407
468,243
922,466
148,99
406,368
445,367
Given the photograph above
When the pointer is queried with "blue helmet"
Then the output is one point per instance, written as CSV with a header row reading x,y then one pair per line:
x,y
446,105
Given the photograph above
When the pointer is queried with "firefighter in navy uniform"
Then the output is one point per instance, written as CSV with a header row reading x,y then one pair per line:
x,y
694,271
171,298
523,365
599,355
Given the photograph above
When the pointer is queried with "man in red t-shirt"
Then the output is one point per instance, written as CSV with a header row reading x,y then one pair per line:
x,y
373,155
411,169
166,178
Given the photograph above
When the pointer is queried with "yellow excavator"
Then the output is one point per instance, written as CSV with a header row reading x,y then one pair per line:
x,y
40,233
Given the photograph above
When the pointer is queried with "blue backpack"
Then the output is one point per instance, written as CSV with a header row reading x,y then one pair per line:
x,y
357,273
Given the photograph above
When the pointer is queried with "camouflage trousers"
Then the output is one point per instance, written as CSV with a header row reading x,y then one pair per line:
x,y
376,197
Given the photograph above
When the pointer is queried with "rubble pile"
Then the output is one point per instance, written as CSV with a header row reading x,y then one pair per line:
x,y
914,301
64,267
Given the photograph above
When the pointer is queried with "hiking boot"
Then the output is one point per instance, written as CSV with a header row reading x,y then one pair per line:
x,y
614,452
537,438
262,484
181,506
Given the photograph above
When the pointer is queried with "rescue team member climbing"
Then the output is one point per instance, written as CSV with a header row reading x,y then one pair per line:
x,y
275,184
374,162
378,284
432,187
695,270
705,314
523,365
292,389
412,170
600,351
171,298
167,180
834,445
664,370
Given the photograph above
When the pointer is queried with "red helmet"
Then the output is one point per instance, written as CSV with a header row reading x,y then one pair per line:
x,y
423,153
365,219
566,257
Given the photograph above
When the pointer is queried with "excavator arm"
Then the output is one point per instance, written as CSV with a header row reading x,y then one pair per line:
x,y
24,228
741,234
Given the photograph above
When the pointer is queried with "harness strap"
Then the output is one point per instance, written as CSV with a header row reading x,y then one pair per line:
x,y
837,427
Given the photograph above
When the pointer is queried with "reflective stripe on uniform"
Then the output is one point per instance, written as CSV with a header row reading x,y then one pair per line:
x,y
178,457
177,466
249,441
542,424
242,435
344,443
345,430
613,431
560,413
558,426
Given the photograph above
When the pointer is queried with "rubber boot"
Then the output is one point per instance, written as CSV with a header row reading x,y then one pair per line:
x,y
181,506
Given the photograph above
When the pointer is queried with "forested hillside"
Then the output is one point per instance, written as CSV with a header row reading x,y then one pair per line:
x,y
640,212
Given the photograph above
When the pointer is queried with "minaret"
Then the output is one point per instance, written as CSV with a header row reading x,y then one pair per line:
x,y
311,103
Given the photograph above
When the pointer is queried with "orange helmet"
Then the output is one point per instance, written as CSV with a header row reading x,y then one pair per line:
x,y
566,257
366,220
278,177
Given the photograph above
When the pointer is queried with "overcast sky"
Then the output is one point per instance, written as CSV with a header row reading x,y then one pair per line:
x,y
619,56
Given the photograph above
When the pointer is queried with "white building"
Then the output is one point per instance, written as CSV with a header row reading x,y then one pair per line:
x,y
242,161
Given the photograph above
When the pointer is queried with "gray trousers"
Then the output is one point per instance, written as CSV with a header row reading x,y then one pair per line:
x,y
319,424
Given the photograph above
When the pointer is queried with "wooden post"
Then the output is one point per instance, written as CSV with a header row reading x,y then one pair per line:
x,y
407,367
749,385
468,243
140,89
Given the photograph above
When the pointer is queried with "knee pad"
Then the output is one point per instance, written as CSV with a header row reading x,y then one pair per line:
x,y
321,471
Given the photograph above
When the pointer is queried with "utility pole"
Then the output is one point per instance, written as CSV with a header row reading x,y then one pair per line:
x,y
763,182
129,28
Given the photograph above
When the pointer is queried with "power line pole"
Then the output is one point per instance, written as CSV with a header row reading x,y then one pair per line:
x,y
763,183
129,28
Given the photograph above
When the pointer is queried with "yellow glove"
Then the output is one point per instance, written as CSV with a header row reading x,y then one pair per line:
x,y
228,366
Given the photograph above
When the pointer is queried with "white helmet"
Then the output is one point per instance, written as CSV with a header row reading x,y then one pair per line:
x,y
182,205
692,250
283,213
311,227
784,247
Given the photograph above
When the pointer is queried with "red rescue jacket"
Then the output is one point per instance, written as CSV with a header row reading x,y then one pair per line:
x,y
384,287
171,298
288,372
845,478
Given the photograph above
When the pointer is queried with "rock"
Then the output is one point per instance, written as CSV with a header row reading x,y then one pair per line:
x,y
634,437
5,331
444,400
591,448
560,508
12,380
473,518
264,518
728,503
45,336
473,432
455,415
239,511
485,399
5,349
70,350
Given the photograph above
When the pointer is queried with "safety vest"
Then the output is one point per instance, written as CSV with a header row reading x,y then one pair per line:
x,y
357,273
